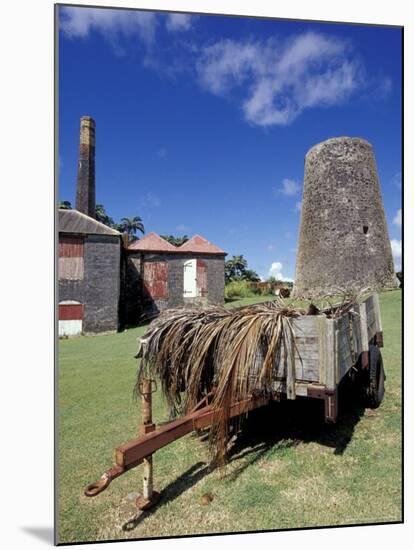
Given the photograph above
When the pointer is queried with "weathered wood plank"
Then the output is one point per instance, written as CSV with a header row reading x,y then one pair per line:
x,y
335,356
301,388
363,327
371,331
323,360
345,363
330,354
356,330
310,371
377,313
306,326
290,371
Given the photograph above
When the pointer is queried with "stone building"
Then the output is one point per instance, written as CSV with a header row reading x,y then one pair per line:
x,y
89,275
104,285
89,260
160,275
343,236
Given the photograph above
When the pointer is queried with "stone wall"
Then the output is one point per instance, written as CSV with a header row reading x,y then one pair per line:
x,y
99,290
343,238
138,302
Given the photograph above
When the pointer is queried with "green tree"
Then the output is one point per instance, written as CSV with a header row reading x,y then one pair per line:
x,y
65,205
251,275
235,268
102,216
176,241
131,226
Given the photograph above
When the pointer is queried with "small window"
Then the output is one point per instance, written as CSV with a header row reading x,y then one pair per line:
x,y
365,229
71,265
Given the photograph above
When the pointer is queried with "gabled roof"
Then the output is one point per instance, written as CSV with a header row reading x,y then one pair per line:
x,y
152,243
200,245
73,221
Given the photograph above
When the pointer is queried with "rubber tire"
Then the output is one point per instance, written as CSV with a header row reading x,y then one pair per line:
x,y
376,374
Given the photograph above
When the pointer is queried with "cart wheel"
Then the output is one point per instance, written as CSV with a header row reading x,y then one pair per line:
x,y
375,387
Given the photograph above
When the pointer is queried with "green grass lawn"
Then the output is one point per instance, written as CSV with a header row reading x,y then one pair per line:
x,y
287,468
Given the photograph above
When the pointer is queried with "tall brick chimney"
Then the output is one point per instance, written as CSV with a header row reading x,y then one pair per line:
x,y
85,192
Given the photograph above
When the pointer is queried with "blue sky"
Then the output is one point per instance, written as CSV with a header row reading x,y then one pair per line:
x,y
203,122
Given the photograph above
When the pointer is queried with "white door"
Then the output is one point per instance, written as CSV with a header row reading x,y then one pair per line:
x,y
190,281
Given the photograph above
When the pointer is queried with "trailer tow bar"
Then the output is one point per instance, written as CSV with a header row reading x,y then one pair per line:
x,y
150,439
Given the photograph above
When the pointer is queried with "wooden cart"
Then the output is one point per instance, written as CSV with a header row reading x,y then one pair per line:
x,y
325,351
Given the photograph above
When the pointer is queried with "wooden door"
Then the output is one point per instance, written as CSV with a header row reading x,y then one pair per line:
x,y
190,279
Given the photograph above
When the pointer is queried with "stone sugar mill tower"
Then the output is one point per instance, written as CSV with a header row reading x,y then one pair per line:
x,y
343,237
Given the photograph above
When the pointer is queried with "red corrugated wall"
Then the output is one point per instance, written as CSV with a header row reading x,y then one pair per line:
x,y
156,279
201,278
70,247
71,257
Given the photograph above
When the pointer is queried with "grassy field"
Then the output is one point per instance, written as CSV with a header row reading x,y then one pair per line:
x,y
287,468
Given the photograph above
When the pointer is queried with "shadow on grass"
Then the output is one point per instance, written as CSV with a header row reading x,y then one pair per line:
x,y
289,423
173,490
271,430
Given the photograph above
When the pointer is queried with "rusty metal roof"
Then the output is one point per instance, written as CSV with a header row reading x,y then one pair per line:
x,y
73,221
152,243
201,246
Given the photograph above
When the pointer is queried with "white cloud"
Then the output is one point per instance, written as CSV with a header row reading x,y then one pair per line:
x,y
150,200
281,78
397,218
396,180
298,206
178,22
383,87
396,253
162,152
79,22
289,188
276,271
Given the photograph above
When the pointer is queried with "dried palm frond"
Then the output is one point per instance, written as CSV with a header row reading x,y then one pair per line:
x,y
235,352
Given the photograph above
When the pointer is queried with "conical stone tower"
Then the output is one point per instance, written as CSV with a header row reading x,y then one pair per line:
x,y
343,237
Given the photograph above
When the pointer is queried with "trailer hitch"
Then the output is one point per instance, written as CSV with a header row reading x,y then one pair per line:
x,y
103,482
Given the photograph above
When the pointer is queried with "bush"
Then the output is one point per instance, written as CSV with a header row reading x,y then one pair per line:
x,y
238,289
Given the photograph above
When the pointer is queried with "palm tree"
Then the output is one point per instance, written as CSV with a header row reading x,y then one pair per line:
x,y
102,216
235,268
176,241
131,225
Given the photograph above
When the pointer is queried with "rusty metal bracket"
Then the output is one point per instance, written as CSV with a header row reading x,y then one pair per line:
x,y
364,359
330,398
331,406
379,339
146,503
153,387
316,391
